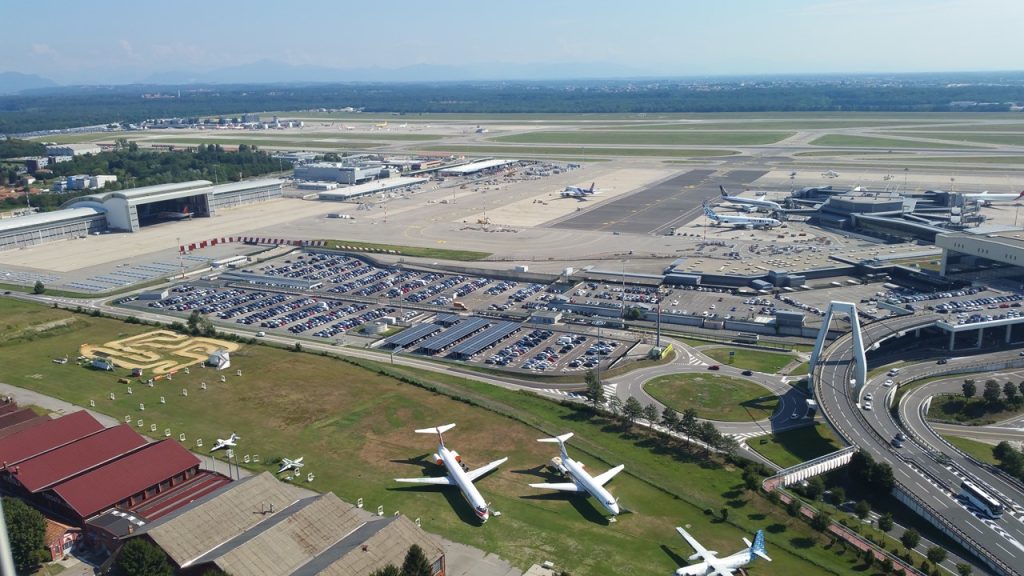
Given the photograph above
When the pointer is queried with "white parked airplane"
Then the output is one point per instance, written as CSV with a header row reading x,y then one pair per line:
x,y
765,205
741,221
229,443
457,475
288,464
577,192
582,481
830,174
712,565
986,199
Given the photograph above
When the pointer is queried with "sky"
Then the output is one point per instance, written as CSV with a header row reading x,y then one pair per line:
x,y
108,41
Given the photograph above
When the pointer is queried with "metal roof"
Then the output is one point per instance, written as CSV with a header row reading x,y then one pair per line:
x,y
369,187
22,426
371,547
157,189
410,335
107,485
17,417
244,185
80,456
46,436
47,218
478,166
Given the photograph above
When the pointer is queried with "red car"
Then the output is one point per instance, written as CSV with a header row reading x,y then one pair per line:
x,y
713,367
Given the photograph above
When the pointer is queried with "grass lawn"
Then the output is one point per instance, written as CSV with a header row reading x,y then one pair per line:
x,y
974,412
978,450
354,426
840,140
713,396
801,369
792,447
579,152
258,142
657,138
414,251
747,359
975,159
1007,139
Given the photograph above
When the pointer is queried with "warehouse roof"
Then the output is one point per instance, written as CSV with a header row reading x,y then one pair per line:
x,y
371,547
244,185
104,487
62,463
18,416
47,218
46,436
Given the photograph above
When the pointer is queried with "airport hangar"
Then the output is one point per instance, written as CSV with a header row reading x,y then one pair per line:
x,y
130,210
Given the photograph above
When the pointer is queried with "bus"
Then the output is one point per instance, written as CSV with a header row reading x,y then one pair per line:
x,y
981,499
746,338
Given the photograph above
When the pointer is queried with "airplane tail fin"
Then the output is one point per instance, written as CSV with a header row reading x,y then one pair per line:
x,y
437,430
722,188
557,439
591,190
1021,195
709,212
758,548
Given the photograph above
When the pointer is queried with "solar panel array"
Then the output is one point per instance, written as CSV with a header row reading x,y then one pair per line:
x,y
447,319
484,339
406,337
453,334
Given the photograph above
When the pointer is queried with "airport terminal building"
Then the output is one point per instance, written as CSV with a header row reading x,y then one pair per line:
x,y
983,253
133,209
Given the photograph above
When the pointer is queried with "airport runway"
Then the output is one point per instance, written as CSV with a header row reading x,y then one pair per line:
x,y
660,206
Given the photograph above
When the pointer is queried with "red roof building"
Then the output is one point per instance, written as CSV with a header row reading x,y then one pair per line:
x,y
17,417
70,460
45,437
129,480
22,426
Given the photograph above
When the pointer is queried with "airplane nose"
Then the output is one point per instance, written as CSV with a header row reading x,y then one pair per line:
x,y
615,509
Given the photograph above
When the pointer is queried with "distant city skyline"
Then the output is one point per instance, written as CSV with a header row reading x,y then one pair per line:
x,y
114,41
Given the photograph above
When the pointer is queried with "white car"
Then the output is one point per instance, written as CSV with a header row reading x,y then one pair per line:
x,y
868,397
867,405
888,383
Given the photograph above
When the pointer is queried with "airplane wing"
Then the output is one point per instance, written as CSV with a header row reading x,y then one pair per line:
x,y
603,479
439,480
561,486
723,572
701,552
485,469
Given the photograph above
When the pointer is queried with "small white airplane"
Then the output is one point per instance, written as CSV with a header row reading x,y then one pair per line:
x,y
765,205
712,565
229,443
582,481
830,174
288,464
577,192
741,221
986,199
457,475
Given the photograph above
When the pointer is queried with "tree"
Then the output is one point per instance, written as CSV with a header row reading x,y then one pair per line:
x,y
815,487
651,414
862,509
885,522
595,391
138,556
416,563
632,410
615,405
970,389
910,539
39,287
725,514
964,569
688,423
669,418
887,565
26,529
882,479
936,554
869,557
793,507
1010,391
297,347
750,480
193,322
838,495
821,521
1020,387
389,570
991,393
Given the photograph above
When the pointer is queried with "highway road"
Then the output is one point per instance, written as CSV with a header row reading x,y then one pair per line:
x,y
916,466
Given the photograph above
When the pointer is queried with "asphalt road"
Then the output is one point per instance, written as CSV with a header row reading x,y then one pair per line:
x,y
915,468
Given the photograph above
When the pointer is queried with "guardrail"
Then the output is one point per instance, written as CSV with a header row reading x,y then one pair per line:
x,y
903,493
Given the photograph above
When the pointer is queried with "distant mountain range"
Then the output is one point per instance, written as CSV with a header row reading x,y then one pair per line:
x,y
14,82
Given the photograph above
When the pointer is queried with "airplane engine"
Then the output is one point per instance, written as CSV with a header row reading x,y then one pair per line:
x,y
556,464
438,460
457,457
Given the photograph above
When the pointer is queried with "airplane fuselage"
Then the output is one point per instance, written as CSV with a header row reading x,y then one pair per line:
x,y
761,204
586,482
733,562
744,221
459,477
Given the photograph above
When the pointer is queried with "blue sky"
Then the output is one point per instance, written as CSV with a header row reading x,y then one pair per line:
x,y
74,41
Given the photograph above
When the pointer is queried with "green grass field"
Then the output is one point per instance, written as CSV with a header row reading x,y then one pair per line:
x,y
765,124
747,359
973,412
841,140
975,159
801,369
713,396
655,138
414,251
354,427
1007,139
792,447
979,450
576,152
258,142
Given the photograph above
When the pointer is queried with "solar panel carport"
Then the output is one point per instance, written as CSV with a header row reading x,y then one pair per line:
x,y
408,336
484,339
452,335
